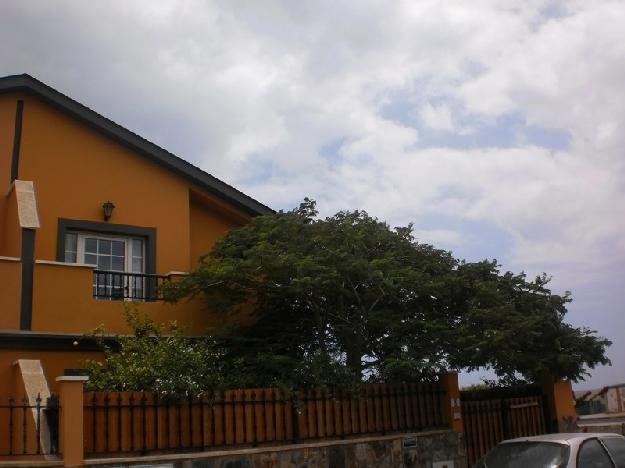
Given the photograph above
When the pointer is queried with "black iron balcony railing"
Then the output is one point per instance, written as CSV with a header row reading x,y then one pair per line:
x,y
116,285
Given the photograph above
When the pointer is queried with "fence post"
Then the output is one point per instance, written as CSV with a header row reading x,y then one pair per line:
x,y
451,400
71,419
561,403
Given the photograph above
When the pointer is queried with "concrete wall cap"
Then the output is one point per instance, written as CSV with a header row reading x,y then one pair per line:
x,y
10,259
72,378
173,457
52,262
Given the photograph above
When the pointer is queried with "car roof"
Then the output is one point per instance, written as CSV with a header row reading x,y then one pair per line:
x,y
564,438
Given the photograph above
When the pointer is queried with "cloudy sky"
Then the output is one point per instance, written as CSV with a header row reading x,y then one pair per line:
x,y
497,127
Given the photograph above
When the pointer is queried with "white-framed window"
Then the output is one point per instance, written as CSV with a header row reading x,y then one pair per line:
x,y
108,253
117,258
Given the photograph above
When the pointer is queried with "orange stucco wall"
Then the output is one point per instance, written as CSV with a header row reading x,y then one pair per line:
x,y
10,287
208,225
561,403
564,401
67,306
75,169
7,127
54,364
12,232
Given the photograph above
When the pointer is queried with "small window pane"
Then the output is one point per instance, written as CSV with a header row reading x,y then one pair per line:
x,y
616,447
117,263
91,245
104,263
104,246
137,248
70,257
70,242
118,248
137,265
91,259
592,455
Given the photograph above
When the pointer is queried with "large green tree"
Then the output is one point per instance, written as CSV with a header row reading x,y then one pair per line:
x,y
349,298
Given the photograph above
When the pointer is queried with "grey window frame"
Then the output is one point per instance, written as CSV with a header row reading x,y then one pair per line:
x,y
126,230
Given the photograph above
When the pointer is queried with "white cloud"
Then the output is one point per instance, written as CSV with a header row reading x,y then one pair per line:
x,y
438,117
230,85
439,236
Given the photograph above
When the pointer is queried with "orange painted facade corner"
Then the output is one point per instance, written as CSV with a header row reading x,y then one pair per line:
x,y
71,439
451,400
561,403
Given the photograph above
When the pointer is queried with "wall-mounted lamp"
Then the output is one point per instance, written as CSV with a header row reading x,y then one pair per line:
x,y
107,208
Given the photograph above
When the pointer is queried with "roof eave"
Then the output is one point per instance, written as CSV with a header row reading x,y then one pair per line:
x,y
28,84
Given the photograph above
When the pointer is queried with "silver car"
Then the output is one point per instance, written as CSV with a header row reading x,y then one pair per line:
x,y
558,451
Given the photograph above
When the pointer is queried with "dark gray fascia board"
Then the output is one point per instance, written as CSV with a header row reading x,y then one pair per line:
x,y
41,341
49,341
28,84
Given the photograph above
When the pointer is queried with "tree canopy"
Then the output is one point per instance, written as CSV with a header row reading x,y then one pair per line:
x,y
347,298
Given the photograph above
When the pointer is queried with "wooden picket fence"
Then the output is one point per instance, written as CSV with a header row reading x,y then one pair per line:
x,y
488,422
141,422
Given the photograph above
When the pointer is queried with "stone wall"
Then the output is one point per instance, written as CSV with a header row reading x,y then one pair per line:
x,y
440,449
435,450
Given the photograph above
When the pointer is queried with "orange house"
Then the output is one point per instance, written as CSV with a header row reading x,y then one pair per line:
x,y
92,215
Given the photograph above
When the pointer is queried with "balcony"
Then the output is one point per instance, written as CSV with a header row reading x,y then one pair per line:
x,y
115,285
77,298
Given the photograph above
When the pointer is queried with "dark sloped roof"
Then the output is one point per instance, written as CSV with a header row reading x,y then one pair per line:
x,y
28,84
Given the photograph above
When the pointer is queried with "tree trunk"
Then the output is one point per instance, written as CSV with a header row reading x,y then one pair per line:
x,y
354,354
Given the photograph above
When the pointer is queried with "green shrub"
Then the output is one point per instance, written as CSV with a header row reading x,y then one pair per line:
x,y
157,358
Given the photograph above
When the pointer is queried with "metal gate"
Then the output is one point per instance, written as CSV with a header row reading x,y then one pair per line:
x,y
488,420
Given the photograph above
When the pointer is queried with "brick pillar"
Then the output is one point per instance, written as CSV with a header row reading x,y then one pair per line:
x,y
71,419
451,400
561,405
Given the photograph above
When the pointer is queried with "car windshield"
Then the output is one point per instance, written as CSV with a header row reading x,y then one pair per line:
x,y
526,454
